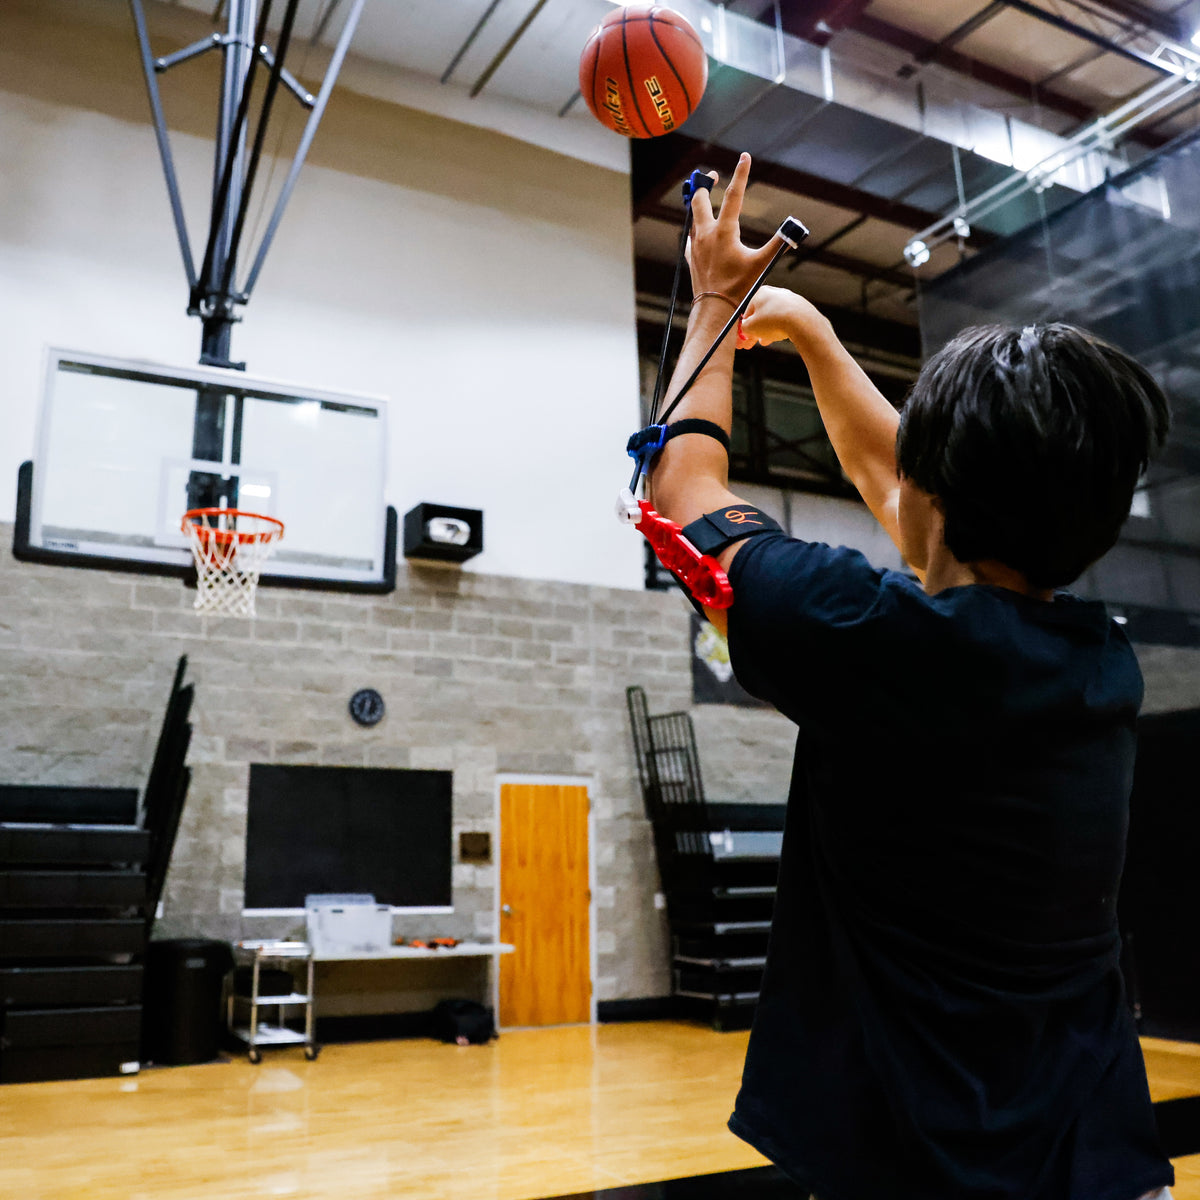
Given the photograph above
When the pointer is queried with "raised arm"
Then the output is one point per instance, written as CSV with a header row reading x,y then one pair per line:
x,y
691,476
860,422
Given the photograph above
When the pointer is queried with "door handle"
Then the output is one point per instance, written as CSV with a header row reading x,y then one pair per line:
x,y
506,909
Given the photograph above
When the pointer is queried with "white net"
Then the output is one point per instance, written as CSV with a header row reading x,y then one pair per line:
x,y
230,548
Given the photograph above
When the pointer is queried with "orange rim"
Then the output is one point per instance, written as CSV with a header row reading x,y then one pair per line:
x,y
226,537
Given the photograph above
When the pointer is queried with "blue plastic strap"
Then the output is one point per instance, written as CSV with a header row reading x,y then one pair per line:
x,y
697,179
645,444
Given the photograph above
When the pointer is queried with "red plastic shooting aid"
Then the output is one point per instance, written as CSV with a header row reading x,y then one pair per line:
x,y
701,573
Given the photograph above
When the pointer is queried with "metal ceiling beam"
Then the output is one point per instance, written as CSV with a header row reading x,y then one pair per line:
x,y
653,278
1028,90
506,49
1172,114
968,27
661,167
924,50
805,251
860,268
470,39
1163,24
1096,138
1088,35
817,23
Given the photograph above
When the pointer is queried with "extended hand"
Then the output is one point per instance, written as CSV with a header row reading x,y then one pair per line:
x,y
776,313
716,255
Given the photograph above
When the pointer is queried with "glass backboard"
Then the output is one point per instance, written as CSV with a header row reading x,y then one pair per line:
x,y
125,448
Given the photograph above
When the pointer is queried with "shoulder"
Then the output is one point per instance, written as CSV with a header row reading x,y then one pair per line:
x,y
777,574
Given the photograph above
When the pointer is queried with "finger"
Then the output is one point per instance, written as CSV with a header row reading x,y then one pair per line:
x,y
764,255
731,205
702,212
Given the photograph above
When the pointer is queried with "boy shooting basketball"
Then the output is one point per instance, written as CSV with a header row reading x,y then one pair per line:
x,y
942,1016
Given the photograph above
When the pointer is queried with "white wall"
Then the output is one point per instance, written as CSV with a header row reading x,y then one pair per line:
x,y
426,260
482,282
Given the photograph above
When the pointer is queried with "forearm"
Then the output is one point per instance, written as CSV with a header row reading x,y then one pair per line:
x,y
860,422
691,474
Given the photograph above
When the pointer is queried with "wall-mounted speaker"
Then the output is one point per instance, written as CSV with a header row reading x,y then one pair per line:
x,y
440,532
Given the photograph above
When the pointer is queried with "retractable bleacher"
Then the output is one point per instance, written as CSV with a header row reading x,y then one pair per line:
x,y
718,862
81,874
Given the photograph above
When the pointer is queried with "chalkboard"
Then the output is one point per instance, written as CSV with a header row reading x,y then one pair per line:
x,y
348,829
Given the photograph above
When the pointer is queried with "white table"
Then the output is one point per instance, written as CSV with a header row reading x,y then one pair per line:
x,y
349,982
462,950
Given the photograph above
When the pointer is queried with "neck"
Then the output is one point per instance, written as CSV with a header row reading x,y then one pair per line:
x,y
945,571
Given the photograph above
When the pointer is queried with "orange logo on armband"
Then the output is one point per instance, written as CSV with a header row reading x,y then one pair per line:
x,y
735,516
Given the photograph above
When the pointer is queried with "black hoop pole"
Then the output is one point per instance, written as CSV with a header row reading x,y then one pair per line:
x,y
264,116
218,227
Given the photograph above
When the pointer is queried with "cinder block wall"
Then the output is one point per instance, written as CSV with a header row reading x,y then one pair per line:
x,y
481,675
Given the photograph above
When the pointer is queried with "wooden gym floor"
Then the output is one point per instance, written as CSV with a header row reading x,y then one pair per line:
x,y
542,1112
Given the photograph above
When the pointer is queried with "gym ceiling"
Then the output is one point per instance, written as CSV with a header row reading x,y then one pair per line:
x,y
871,120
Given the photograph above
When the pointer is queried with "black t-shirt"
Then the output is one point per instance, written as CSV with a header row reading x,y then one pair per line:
x,y
942,1016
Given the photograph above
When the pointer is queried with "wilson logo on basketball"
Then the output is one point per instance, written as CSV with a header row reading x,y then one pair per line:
x,y
612,102
661,104
735,516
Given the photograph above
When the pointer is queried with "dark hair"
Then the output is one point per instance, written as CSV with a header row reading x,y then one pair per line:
x,y
1034,441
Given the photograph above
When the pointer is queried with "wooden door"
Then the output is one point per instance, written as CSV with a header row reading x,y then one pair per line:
x,y
544,902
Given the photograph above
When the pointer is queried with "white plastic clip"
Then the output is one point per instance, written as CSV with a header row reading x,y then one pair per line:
x,y
627,509
793,232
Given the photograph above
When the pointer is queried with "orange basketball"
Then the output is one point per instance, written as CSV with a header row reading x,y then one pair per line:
x,y
643,71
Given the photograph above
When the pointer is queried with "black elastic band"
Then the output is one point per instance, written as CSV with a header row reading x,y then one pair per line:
x,y
697,425
716,530
643,446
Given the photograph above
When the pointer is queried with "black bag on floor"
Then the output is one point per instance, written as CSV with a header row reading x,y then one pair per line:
x,y
463,1021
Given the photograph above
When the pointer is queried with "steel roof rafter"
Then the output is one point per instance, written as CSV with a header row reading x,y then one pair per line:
x,y
679,155
1128,12
973,68
1098,137
826,258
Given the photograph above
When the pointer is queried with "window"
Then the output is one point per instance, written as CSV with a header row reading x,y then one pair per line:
x,y
777,438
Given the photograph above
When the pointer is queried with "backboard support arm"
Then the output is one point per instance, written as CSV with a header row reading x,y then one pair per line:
x,y
213,295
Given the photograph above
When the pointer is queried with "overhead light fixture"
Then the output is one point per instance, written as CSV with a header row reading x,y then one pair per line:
x,y
1196,38
916,253
961,228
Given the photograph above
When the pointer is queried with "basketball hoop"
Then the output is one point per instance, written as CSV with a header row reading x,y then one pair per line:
x,y
230,548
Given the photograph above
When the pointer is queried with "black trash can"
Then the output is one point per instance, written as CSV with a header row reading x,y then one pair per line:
x,y
181,1013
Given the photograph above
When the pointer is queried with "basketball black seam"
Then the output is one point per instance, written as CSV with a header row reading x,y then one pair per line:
x,y
596,72
686,30
629,76
667,60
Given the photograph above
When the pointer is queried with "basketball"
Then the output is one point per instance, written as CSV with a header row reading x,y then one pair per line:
x,y
643,71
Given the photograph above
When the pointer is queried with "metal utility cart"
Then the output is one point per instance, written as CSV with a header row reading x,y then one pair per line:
x,y
257,1033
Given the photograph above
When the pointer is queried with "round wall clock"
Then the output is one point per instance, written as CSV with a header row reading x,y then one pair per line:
x,y
366,706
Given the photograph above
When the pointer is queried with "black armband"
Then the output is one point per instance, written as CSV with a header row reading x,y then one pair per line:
x,y
646,443
716,530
